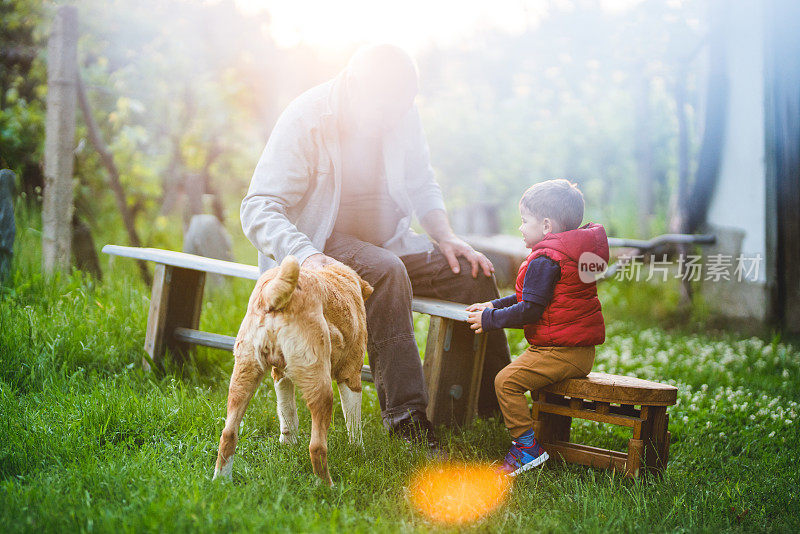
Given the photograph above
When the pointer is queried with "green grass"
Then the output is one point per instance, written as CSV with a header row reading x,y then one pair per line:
x,y
88,442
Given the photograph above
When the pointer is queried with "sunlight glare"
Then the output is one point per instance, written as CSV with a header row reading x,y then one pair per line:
x,y
413,24
457,493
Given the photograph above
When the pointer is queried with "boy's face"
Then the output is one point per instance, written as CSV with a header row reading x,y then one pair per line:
x,y
534,229
531,228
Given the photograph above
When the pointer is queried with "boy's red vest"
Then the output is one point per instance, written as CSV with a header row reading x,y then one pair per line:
x,y
573,318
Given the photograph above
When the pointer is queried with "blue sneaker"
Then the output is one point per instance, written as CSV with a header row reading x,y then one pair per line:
x,y
522,457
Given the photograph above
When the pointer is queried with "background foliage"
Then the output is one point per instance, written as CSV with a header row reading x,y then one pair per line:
x,y
180,88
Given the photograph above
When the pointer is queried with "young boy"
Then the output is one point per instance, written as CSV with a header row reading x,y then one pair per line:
x,y
560,312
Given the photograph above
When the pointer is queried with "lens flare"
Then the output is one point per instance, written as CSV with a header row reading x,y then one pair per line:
x,y
457,493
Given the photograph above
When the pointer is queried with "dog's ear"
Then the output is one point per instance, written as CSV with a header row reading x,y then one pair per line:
x,y
366,289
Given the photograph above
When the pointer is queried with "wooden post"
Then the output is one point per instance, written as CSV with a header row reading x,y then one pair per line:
x,y
62,70
782,131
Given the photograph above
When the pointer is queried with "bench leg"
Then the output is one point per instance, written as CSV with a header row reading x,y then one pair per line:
x,y
452,367
175,301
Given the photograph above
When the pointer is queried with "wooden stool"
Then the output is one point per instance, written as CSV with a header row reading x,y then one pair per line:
x,y
611,399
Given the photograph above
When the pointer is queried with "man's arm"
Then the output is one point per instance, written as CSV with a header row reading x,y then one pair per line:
x,y
280,180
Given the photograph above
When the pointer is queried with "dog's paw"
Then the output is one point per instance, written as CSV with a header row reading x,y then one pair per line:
x,y
224,473
320,482
287,438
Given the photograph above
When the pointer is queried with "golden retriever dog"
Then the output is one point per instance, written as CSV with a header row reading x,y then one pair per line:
x,y
309,327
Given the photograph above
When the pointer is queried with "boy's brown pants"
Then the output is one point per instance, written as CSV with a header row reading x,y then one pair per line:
x,y
533,369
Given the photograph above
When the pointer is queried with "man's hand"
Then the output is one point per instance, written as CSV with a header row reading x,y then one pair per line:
x,y
479,306
438,227
453,247
317,261
474,321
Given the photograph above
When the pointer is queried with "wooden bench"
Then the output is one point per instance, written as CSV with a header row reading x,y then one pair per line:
x,y
611,399
454,354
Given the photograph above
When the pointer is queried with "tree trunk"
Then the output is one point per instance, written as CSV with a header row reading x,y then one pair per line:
x,y
679,199
644,157
113,173
83,251
698,200
62,69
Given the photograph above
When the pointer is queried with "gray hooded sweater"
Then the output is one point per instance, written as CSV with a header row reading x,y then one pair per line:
x,y
291,205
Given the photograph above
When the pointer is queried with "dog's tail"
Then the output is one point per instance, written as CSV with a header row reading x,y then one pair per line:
x,y
280,289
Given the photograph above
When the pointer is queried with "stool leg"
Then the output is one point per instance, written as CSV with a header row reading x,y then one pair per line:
x,y
635,452
538,421
664,456
656,444
554,427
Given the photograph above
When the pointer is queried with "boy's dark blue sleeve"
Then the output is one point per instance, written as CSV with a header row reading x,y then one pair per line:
x,y
537,291
540,280
504,302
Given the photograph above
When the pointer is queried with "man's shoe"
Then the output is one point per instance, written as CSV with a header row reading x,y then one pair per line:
x,y
521,458
417,430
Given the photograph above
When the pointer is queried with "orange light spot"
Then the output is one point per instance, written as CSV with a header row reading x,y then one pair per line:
x,y
457,493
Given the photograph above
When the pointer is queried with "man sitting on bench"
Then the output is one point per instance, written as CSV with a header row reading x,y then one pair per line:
x,y
344,170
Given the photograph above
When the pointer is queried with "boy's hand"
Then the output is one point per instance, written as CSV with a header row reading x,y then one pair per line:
x,y
474,321
479,306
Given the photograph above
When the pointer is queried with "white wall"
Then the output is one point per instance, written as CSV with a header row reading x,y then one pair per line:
x,y
739,199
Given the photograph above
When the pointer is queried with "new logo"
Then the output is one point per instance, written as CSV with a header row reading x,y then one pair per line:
x,y
591,267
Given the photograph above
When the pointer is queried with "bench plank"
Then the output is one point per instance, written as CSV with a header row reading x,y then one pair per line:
x,y
206,339
220,341
186,261
450,310
616,389
585,455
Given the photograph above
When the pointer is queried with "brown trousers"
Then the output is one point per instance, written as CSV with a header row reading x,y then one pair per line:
x,y
533,369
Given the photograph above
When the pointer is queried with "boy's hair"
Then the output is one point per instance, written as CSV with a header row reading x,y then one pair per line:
x,y
560,200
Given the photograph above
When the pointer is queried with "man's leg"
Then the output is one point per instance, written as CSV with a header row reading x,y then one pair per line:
x,y
431,276
393,354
